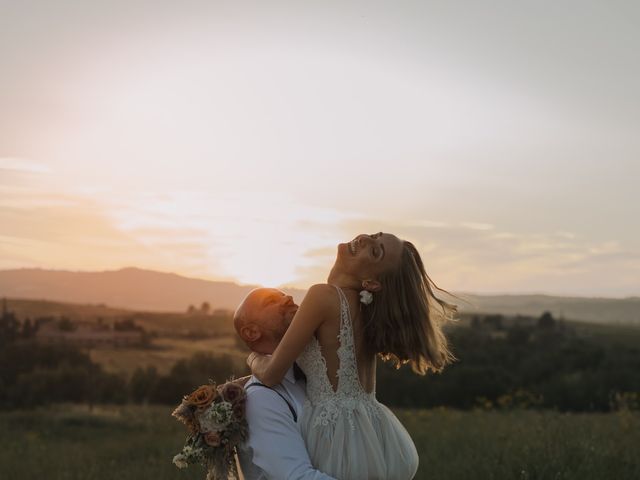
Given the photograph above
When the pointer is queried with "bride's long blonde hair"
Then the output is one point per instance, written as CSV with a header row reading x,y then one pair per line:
x,y
404,322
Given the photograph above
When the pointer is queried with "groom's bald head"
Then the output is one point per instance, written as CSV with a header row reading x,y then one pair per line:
x,y
263,317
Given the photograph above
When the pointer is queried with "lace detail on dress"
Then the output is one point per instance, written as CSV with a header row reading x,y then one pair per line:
x,y
327,403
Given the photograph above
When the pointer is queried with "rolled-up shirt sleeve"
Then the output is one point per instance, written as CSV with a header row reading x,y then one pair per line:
x,y
275,444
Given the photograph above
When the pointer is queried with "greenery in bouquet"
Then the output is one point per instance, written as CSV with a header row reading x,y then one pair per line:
x,y
215,418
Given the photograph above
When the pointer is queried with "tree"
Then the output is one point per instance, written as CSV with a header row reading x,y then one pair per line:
x,y
546,320
9,325
127,325
518,335
205,308
143,383
28,329
66,325
187,374
494,321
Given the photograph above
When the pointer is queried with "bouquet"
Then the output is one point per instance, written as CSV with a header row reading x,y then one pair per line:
x,y
215,418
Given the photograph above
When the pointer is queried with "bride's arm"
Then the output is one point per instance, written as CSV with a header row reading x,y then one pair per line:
x,y
270,370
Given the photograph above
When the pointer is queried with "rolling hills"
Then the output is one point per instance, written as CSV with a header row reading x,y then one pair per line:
x,y
137,289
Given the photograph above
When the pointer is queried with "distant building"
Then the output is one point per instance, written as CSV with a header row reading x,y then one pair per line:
x,y
87,335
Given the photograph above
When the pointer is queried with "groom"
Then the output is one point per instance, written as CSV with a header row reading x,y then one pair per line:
x,y
275,448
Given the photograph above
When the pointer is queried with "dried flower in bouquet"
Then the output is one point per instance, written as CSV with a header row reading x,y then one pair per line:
x,y
215,418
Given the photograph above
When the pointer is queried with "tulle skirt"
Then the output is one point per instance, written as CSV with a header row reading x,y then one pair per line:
x,y
369,444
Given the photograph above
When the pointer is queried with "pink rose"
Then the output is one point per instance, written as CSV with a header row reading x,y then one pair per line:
x,y
232,391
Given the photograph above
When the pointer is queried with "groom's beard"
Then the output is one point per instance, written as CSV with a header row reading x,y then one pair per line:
x,y
288,314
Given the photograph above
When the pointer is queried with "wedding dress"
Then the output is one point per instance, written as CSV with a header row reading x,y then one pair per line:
x,y
348,433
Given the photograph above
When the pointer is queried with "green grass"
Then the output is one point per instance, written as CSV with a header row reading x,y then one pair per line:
x,y
127,443
71,443
525,444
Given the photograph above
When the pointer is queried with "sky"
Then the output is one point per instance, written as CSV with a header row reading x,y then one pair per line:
x,y
244,140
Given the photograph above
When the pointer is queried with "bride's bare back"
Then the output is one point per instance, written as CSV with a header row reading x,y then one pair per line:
x,y
327,335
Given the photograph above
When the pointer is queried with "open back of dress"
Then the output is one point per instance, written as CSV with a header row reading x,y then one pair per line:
x,y
348,433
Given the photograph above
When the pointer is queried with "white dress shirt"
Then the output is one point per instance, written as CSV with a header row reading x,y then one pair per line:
x,y
275,449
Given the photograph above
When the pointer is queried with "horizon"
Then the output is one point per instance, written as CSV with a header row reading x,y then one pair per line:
x,y
284,286
243,142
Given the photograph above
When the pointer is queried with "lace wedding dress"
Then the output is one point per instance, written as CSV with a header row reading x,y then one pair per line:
x,y
348,433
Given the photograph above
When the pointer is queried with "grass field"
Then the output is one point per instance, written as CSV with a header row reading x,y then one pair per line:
x,y
127,443
164,353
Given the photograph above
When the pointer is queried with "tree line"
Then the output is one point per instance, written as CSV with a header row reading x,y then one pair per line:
x,y
539,363
32,374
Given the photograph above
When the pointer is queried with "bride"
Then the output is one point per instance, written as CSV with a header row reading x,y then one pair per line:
x,y
378,300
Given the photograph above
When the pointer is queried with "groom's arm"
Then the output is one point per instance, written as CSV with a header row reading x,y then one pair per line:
x,y
275,440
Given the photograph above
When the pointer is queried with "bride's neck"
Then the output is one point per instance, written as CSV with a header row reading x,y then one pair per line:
x,y
343,280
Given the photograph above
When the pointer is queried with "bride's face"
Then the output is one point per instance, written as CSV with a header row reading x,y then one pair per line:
x,y
369,256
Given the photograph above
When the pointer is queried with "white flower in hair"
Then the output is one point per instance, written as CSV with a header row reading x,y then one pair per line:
x,y
366,297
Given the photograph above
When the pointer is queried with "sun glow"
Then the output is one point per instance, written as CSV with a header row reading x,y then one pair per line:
x,y
261,238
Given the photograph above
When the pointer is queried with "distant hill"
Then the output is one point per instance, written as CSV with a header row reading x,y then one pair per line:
x,y
129,288
597,310
137,289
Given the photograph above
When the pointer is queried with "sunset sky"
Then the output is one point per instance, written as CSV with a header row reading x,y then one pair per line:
x,y
243,140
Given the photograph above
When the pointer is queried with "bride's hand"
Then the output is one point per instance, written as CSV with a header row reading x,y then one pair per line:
x,y
258,362
252,358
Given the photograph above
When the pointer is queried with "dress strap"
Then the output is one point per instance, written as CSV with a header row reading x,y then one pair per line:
x,y
348,382
345,311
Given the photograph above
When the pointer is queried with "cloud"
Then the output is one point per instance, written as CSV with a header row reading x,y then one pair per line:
x,y
257,237
477,226
53,230
272,240
426,224
38,201
480,257
23,165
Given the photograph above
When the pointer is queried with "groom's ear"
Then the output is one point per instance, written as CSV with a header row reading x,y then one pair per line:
x,y
250,332
372,285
